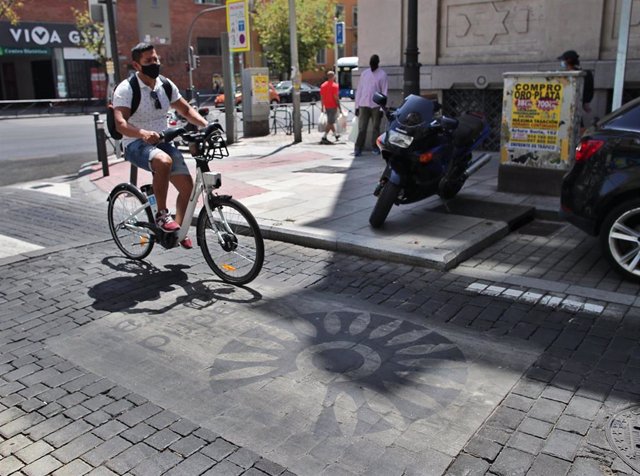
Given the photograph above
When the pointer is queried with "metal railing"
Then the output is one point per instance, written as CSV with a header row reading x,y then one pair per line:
x,y
282,118
21,107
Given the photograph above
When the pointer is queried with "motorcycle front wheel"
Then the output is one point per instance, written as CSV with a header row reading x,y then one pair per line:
x,y
386,199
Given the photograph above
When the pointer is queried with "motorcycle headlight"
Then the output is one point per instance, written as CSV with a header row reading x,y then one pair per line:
x,y
399,139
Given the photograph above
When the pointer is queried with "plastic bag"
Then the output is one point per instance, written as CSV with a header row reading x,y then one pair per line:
x,y
341,124
353,134
322,122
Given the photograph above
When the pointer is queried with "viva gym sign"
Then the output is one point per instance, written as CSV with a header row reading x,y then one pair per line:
x,y
33,35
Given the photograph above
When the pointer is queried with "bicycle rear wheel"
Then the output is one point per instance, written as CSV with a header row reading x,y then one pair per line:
x,y
126,217
232,245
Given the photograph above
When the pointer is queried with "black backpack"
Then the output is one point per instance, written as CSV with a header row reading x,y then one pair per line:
x,y
135,102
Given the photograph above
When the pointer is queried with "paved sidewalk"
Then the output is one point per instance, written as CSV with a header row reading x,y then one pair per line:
x,y
321,196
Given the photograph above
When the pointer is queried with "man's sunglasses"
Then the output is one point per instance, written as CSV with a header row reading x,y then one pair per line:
x,y
154,96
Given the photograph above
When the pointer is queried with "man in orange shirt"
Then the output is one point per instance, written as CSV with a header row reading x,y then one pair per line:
x,y
330,100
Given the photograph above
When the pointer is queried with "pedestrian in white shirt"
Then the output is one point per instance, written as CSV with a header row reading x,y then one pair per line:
x,y
371,81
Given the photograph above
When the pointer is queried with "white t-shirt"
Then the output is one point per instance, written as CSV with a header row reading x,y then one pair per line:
x,y
146,116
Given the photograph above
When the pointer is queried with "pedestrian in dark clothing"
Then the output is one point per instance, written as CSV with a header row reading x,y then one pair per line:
x,y
570,61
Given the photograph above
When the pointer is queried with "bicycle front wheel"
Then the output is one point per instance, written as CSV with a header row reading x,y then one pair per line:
x,y
127,216
232,244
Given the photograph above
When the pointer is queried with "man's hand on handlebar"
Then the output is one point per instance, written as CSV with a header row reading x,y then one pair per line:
x,y
150,137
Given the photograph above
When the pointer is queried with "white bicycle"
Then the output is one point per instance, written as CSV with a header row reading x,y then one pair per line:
x,y
227,232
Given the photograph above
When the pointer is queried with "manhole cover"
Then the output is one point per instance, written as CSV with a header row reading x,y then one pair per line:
x,y
323,169
540,228
623,434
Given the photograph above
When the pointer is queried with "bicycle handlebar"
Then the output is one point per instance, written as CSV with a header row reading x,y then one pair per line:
x,y
207,143
190,136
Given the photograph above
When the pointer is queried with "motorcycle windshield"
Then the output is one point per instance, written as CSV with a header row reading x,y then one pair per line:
x,y
415,113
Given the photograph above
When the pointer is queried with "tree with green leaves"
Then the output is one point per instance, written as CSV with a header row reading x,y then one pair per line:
x,y
315,28
9,10
91,34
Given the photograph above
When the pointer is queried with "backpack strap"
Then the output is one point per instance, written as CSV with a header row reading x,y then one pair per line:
x,y
135,88
166,84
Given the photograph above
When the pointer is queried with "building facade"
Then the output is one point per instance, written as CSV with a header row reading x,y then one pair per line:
x,y
465,46
40,58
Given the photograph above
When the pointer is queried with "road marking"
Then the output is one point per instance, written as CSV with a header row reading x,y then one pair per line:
x,y
60,189
11,246
569,304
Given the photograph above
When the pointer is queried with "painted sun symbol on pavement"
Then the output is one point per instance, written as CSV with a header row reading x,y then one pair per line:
x,y
378,365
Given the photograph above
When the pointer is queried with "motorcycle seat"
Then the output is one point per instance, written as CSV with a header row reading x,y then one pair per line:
x,y
470,126
449,122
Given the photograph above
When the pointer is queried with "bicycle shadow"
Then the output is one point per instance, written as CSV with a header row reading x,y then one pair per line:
x,y
146,284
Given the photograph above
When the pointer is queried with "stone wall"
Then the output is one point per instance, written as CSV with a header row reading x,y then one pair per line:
x,y
469,44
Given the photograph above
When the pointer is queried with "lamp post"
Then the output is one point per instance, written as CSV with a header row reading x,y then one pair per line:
x,y
621,56
295,72
113,44
189,47
411,65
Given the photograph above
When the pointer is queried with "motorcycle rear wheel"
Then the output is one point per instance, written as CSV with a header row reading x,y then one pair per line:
x,y
386,199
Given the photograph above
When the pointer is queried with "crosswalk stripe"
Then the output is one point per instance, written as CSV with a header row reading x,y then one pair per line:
x,y
566,303
11,246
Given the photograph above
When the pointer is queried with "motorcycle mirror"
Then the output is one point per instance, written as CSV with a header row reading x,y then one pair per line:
x,y
380,99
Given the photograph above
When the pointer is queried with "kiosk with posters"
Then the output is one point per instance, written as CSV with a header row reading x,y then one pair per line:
x,y
255,101
540,128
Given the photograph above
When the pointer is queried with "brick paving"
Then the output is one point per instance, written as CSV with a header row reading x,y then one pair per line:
x,y
57,418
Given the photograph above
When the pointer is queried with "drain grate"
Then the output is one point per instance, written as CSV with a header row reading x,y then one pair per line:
x,y
623,434
323,169
539,228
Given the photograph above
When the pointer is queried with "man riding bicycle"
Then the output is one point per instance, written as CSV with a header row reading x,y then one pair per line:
x,y
141,131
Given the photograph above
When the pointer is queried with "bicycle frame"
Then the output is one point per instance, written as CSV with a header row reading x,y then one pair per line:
x,y
205,183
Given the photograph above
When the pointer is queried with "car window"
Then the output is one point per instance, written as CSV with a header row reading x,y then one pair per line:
x,y
627,119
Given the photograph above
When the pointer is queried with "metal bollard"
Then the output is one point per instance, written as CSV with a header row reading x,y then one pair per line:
x,y
101,143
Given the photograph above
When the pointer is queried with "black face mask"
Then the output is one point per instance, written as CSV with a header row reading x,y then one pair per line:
x,y
151,70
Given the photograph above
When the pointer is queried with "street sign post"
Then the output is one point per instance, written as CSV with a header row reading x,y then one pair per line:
x,y
238,25
340,33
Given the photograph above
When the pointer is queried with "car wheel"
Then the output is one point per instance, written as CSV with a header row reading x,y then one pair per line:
x,y
620,239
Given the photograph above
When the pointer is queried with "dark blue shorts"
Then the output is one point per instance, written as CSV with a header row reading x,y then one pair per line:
x,y
140,154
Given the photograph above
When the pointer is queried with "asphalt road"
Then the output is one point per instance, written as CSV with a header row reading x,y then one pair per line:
x,y
41,147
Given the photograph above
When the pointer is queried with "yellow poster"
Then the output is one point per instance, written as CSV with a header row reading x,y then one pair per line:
x,y
535,116
260,88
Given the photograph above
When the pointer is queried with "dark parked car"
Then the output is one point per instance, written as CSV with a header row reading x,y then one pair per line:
x,y
308,92
601,192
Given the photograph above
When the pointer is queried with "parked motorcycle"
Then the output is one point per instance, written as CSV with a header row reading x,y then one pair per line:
x,y
426,153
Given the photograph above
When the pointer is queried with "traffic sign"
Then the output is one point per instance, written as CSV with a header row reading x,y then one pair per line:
x,y
340,33
238,25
